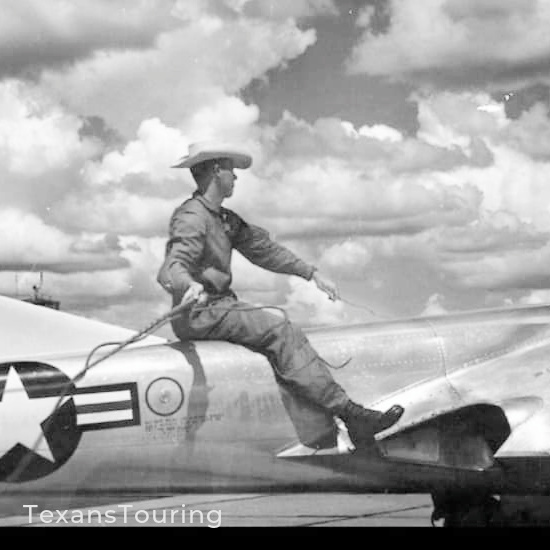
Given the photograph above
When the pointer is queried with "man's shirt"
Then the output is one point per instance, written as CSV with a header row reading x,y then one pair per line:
x,y
201,240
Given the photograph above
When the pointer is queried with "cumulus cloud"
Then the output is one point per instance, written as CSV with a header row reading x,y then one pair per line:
x,y
459,44
36,134
515,180
348,257
281,9
398,221
286,8
523,269
134,190
28,243
376,185
366,147
190,68
114,210
127,294
305,302
65,161
51,219
404,223
496,232
536,297
455,231
530,134
381,132
34,34
87,185
155,150
498,251
434,306
450,120
506,246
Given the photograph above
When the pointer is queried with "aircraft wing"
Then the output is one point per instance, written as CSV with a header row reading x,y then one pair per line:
x,y
493,393
479,403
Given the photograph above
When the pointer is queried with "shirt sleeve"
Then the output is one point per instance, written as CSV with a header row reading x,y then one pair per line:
x,y
255,244
183,251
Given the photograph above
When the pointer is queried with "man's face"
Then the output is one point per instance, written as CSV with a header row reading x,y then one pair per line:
x,y
225,177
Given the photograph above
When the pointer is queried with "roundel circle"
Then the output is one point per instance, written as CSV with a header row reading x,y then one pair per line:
x,y
164,396
37,434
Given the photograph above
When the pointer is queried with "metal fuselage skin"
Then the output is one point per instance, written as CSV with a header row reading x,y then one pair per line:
x,y
208,415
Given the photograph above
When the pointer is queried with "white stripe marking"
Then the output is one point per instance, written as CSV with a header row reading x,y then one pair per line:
x,y
101,397
106,416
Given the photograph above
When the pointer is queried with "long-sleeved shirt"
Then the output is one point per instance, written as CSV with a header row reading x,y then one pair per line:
x,y
201,240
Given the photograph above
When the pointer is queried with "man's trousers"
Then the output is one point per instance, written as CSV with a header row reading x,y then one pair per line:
x,y
309,392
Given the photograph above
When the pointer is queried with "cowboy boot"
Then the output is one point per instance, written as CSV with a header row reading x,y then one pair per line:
x,y
363,424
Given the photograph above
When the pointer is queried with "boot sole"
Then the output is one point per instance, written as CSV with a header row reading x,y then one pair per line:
x,y
389,418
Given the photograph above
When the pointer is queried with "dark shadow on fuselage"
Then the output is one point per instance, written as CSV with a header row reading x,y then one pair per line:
x,y
198,397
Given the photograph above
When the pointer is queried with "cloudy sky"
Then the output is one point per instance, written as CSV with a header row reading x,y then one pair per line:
x,y
401,146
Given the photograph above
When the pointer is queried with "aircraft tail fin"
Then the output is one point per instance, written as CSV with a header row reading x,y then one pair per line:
x,y
30,331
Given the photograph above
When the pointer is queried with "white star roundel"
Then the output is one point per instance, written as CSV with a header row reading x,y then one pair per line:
x,y
39,432
36,438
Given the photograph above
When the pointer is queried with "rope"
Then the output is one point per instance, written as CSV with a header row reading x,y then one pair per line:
x,y
154,326
87,366
365,308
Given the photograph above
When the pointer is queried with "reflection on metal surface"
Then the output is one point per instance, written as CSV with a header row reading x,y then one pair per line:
x,y
520,409
343,446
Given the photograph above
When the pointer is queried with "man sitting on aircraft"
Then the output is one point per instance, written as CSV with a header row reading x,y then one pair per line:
x,y
197,268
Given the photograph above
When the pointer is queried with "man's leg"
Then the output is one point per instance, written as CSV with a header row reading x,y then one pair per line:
x,y
287,351
298,367
314,425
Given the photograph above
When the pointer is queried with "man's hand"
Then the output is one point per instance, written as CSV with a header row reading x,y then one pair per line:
x,y
195,293
326,285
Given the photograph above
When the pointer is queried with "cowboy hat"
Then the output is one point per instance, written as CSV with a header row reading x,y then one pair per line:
x,y
208,150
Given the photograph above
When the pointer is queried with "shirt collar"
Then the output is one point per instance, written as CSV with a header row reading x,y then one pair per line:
x,y
206,203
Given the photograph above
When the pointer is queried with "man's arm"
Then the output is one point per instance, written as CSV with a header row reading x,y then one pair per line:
x,y
326,285
255,244
183,252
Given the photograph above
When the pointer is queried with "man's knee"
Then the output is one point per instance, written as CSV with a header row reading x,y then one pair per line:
x,y
284,328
